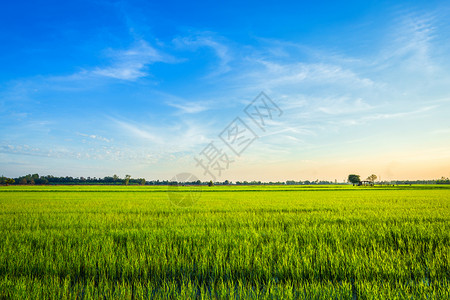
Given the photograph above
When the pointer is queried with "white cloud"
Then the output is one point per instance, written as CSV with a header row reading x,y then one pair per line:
x,y
207,40
190,107
140,132
420,112
275,75
443,131
344,105
179,137
131,64
411,42
95,137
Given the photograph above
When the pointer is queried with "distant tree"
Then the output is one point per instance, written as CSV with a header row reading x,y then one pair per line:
x,y
126,181
372,178
23,180
443,180
6,181
41,180
353,178
226,182
108,179
210,183
142,181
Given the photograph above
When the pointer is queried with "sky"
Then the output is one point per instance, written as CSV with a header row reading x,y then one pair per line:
x,y
229,90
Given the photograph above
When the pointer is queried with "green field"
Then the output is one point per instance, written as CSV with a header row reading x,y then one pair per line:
x,y
241,242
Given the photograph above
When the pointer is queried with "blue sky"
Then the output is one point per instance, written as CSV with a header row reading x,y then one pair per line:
x,y
95,88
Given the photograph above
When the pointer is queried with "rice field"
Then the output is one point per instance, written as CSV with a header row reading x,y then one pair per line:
x,y
235,242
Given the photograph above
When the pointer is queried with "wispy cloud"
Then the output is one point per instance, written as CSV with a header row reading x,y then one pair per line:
x,y
185,135
183,105
95,137
206,39
140,131
442,131
344,105
110,153
420,112
131,64
272,74
401,115
190,107
409,45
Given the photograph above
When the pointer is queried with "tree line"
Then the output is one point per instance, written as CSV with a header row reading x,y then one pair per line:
x,y
443,180
35,179
32,179
356,179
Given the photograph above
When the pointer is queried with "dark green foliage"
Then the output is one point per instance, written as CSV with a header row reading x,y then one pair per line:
x,y
443,180
353,178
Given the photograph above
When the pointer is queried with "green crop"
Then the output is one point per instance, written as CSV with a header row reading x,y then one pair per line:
x,y
235,242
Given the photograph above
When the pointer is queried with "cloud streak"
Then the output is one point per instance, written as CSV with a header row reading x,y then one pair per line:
x,y
131,64
222,52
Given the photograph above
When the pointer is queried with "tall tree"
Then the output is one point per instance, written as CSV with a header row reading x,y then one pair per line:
x,y
127,179
372,178
353,178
